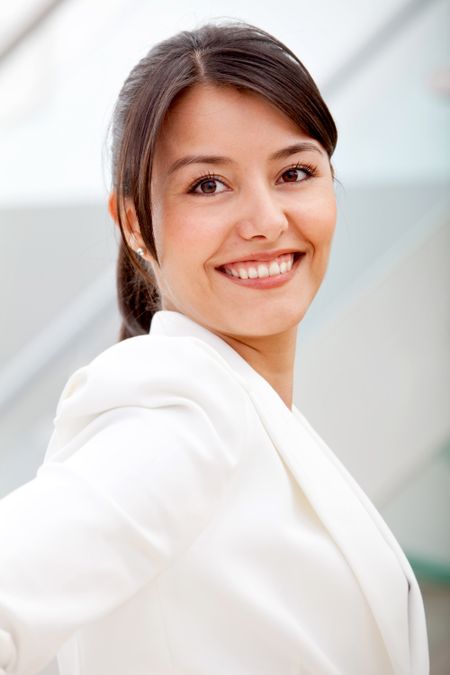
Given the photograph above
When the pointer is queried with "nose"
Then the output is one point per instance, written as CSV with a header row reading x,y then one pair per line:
x,y
262,215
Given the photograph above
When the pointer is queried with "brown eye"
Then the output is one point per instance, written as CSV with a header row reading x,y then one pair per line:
x,y
292,175
208,186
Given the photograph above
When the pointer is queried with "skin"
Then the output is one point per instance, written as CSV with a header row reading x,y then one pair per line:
x,y
253,204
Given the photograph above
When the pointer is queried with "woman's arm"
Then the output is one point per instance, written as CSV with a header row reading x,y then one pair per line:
x,y
121,500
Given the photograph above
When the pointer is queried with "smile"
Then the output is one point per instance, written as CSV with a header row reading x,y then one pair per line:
x,y
265,274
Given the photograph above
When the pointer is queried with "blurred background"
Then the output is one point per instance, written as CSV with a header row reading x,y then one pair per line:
x,y
373,366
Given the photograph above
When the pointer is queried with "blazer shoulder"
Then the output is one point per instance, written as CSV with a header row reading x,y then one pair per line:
x,y
153,372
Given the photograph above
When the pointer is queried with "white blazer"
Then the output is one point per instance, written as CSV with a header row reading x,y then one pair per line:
x,y
185,521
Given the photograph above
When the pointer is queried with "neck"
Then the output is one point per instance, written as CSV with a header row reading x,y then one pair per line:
x,y
272,357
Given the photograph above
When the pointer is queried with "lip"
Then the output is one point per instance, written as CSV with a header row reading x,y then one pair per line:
x,y
267,282
261,256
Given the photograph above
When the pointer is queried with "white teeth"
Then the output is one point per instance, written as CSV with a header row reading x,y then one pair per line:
x,y
262,270
274,269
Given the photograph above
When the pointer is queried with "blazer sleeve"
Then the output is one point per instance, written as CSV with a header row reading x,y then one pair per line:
x,y
127,489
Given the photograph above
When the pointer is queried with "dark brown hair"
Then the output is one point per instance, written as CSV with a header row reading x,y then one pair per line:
x,y
232,53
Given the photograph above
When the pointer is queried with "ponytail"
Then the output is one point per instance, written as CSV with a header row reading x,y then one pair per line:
x,y
137,295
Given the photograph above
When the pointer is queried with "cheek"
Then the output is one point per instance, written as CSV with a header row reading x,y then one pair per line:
x,y
317,221
327,223
188,235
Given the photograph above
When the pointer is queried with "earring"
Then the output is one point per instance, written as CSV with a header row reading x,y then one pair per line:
x,y
140,251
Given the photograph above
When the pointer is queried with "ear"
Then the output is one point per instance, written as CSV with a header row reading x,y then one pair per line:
x,y
130,222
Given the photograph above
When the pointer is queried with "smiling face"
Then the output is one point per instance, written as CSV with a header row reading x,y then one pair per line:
x,y
244,212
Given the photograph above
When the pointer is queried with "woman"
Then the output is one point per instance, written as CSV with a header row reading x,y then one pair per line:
x,y
187,518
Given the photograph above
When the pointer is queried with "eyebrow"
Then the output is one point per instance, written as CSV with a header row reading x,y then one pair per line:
x,y
293,149
304,146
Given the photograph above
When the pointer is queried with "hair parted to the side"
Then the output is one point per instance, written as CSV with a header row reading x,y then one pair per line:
x,y
229,53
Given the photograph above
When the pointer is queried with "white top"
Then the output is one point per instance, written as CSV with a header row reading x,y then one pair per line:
x,y
186,521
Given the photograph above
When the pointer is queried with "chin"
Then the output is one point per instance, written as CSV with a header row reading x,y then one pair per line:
x,y
263,323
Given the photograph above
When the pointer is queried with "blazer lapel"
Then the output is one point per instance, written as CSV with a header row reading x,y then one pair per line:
x,y
373,562
377,563
418,640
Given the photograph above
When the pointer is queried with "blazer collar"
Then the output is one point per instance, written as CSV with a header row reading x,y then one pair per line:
x,y
170,323
377,561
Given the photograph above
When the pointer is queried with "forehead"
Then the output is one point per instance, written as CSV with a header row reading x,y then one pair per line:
x,y
223,116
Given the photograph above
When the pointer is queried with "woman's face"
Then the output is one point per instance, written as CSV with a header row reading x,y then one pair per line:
x,y
243,210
